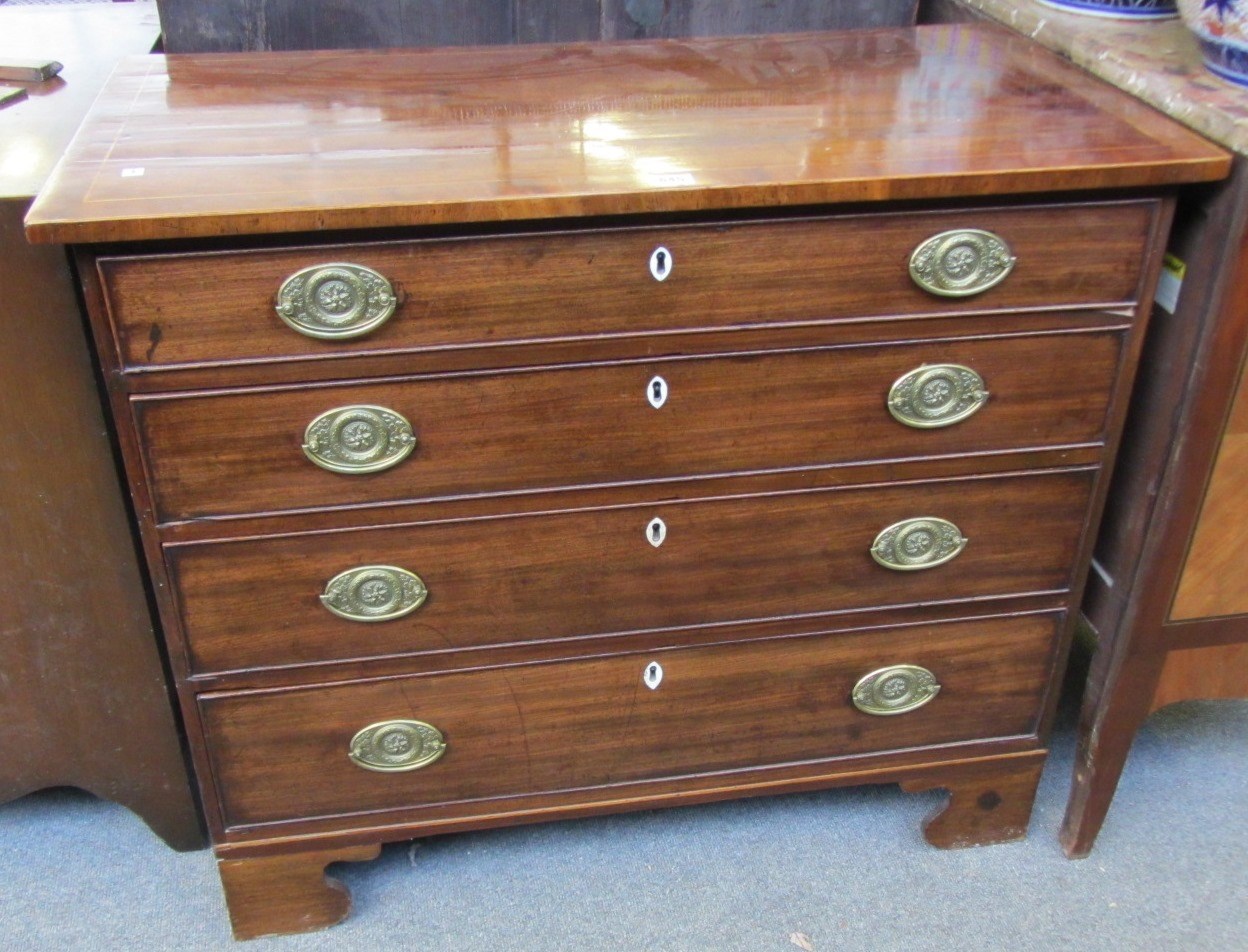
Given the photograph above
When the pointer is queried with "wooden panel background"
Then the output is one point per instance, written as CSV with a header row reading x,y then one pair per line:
x,y
193,26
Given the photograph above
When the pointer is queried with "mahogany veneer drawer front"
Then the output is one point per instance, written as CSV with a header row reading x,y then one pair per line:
x,y
181,309
575,724
234,453
643,460
571,575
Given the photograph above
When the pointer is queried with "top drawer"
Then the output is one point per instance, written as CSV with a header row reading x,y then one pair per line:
x,y
176,310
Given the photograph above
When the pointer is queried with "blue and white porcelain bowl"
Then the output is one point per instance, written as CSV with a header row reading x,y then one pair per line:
x,y
1221,28
1121,9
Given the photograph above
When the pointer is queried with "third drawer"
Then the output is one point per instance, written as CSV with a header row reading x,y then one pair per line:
x,y
598,572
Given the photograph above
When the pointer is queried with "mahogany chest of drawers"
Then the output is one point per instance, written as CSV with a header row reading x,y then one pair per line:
x,y
538,432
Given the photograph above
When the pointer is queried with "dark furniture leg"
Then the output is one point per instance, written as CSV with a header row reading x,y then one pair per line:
x,y
268,895
989,801
1114,707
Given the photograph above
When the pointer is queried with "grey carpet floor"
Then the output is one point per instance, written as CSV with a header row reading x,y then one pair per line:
x,y
839,870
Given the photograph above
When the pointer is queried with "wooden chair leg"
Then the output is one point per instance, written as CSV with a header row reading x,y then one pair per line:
x,y
989,800
276,895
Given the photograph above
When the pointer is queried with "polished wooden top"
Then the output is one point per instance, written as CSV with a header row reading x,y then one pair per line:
x,y
220,144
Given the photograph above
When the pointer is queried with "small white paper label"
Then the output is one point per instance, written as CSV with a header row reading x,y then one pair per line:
x,y
670,179
132,172
1170,283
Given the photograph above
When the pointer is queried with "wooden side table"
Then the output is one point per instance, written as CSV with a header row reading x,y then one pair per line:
x,y
83,697
1168,595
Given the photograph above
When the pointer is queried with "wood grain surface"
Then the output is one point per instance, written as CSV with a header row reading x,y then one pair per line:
x,y
172,310
572,575
1212,582
262,143
235,453
547,728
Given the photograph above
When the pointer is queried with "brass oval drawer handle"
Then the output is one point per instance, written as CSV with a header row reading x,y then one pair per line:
x,y
920,543
395,746
374,593
335,301
936,395
358,439
961,263
895,690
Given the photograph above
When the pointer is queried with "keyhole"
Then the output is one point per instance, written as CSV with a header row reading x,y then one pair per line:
x,y
652,675
656,392
656,532
661,264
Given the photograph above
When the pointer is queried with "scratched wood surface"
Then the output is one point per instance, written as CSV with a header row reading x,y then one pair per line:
x,y
221,144
200,26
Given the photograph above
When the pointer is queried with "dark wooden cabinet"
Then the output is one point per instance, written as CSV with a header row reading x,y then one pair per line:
x,y
202,26
1167,601
680,422
84,700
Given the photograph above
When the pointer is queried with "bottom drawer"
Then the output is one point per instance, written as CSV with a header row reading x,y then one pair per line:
x,y
284,754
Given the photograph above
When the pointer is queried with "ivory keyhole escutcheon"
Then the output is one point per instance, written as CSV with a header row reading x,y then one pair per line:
x,y
656,392
656,532
660,263
653,675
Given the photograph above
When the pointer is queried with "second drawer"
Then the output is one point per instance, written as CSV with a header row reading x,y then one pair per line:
x,y
555,576
242,452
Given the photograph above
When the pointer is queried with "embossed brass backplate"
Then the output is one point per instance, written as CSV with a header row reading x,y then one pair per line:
x,y
358,439
961,263
335,301
374,593
395,746
923,542
936,395
895,690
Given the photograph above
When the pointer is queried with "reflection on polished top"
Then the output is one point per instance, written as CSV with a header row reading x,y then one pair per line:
x,y
247,143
